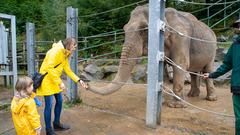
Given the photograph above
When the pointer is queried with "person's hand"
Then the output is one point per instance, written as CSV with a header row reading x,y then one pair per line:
x,y
62,86
84,85
205,76
38,132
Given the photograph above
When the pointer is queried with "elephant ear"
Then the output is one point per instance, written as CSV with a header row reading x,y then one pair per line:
x,y
143,28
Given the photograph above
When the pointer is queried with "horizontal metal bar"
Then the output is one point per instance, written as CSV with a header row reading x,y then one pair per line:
x,y
5,16
6,73
106,43
105,54
224,18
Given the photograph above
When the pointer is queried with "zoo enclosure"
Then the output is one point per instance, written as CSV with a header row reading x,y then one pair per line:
x,y
85,41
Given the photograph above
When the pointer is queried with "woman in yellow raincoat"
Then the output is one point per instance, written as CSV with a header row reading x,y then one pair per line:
x,y
54,63
25,117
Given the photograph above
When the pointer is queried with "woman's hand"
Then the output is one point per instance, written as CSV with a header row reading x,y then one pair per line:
x,y
83,84
38,132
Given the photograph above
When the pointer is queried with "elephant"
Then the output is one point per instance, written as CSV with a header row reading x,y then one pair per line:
x,y
192,55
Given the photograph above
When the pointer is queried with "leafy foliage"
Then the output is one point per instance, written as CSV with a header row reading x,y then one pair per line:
x,y
94,17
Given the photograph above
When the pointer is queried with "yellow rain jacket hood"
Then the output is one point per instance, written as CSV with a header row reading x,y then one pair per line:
x,y
56,55
25,116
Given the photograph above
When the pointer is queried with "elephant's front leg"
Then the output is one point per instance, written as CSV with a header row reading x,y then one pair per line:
x,y
178,83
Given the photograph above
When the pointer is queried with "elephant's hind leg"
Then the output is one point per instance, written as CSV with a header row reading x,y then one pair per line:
x,y
211,96
195,86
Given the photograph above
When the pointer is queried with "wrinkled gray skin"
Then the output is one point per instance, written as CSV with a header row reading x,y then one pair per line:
x,y
190,54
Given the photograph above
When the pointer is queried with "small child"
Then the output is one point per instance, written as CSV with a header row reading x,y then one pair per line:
x,y
24,111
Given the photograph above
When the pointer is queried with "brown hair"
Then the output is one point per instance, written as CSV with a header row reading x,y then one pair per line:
x,y
66,43
23,83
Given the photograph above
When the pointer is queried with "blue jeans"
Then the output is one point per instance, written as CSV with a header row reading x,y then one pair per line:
x,y
48,109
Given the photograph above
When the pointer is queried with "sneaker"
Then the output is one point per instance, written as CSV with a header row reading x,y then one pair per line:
x,y
60,127
50,132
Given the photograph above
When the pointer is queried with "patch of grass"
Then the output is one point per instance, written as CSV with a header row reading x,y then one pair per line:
x,y
144,61
67,105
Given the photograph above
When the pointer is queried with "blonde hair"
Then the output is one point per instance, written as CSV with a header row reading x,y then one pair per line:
x,y
23,83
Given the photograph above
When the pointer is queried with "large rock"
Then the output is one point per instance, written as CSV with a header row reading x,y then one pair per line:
x,y
94,71
110,69
139,73
86,76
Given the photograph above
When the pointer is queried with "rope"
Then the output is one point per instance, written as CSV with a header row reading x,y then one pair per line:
x,y
198,3
194,106
179,67
168,60
103,34
98,45
138,58
124,83
171,93
113,33
198,39
174,64
95,14
167,25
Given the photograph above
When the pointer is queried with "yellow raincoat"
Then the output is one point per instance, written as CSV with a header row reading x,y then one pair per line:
x,y
56,55
25,116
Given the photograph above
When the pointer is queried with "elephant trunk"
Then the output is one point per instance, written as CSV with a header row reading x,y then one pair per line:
x,y
124,71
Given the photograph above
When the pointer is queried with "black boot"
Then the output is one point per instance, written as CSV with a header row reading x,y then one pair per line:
x,y
50,132
60,127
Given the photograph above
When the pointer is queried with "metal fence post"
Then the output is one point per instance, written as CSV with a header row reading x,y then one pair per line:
x,y
208,14
155,62
224,22
4,52
13,49
115,43
30,31
72,31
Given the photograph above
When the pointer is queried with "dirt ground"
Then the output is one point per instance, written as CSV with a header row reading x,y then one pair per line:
x,y
124,112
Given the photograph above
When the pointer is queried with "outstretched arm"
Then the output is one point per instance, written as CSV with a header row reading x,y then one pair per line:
x,y
73,76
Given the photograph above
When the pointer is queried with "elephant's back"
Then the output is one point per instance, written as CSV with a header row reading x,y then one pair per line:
x,y
203,42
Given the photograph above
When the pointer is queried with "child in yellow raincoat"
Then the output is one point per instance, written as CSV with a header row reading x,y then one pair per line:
x,y
25,117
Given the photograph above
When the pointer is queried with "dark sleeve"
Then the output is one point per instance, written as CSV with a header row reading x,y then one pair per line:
x,y
225,67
